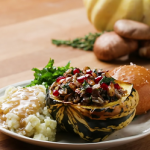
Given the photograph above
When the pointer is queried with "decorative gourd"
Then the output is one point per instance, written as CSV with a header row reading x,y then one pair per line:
x,y
104,13
94,123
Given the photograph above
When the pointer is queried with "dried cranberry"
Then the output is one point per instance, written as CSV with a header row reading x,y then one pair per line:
x,y
117,86
76,70
81,79
89,90
89,71
104,86
97,79
55,92
59,78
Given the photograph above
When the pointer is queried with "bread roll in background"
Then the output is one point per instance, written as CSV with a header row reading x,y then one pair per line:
x,y
140,77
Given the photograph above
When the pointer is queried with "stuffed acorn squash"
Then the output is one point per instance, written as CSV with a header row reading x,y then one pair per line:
x,y
91,104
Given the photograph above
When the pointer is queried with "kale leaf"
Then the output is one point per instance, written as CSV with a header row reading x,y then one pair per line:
x,y
48,74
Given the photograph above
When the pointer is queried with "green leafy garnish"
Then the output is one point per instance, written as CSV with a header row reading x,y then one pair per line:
x,y
86,43
107,80
66,86
48,74
85,85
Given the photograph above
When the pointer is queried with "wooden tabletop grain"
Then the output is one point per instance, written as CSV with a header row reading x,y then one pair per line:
x,y
26,30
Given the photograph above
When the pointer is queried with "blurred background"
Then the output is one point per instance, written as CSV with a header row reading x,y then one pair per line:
x,y
27,28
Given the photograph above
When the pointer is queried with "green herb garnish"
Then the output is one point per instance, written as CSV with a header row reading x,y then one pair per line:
x,y
66,86
107,80
85,85
48,74
86,43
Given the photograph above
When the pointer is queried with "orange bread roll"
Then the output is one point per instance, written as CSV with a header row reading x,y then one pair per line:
x,y
140,77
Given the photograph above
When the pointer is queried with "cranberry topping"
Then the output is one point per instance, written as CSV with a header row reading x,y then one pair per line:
x,y
89,71
104,86
97,79
55,92
89,90
116,85
59,78
81,79
76,70
87,87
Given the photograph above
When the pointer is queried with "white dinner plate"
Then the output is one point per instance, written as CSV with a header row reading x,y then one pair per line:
x,y
138,128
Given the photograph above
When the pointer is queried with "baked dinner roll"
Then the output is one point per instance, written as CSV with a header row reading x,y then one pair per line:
x,y
140,77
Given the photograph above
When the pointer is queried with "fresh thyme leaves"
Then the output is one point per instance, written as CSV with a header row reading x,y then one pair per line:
x,y
86,43
48,74
107,80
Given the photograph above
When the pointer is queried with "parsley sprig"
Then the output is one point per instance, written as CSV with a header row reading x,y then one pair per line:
x,y
107,80
48,74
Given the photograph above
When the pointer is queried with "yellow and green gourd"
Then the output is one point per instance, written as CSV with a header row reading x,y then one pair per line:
x,y
104,13
94,123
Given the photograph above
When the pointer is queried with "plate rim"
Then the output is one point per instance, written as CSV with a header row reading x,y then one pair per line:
x,y
102,144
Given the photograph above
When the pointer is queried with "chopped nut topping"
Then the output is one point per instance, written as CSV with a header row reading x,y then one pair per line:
x,y
87,87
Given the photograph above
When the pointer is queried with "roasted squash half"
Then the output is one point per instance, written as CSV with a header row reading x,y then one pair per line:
x,y
94,123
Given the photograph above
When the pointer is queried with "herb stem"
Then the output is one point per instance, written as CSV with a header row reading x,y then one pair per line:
x,y
86,43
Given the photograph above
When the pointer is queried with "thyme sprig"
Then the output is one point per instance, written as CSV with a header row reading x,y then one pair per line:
x,y
86,43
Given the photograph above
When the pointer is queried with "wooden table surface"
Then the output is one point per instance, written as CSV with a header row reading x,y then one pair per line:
x,y
26,30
